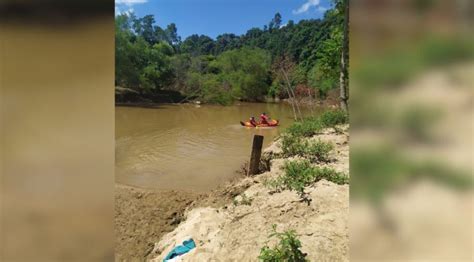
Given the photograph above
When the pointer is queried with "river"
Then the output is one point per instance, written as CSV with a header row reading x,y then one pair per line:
x,y
188,146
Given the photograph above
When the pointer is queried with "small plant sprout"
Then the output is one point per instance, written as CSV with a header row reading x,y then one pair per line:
x,y
288,249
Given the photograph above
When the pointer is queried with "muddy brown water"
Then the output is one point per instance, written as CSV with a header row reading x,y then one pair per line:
x,y
188,147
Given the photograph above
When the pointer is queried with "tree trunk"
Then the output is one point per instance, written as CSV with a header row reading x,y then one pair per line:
x,y
289,95
292,105
290,90
343,77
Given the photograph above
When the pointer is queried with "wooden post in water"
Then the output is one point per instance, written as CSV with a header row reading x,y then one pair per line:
x,y
256,154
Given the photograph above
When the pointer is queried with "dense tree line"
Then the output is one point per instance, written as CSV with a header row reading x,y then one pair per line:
x,y
262,62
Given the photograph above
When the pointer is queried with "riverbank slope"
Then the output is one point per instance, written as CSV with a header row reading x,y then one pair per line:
x,y
237,229
144,215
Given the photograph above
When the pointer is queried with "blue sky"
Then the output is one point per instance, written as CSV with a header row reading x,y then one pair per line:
x,y
214,17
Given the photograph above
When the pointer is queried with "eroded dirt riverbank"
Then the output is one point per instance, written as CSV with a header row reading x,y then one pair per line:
x,y
144,215
235,231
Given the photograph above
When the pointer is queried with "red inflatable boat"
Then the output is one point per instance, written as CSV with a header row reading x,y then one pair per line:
x,y
272,123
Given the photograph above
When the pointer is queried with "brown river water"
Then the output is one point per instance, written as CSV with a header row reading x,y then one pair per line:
x,y
188,146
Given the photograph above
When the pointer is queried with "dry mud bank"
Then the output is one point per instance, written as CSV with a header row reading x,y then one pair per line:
x,y
236,230
142,216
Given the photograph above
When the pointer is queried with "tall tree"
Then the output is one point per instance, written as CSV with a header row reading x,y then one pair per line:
x,y
197,45
226,42
343,79
148,29
284,70
172,34
277,21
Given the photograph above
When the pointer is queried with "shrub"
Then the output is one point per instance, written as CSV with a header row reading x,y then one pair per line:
x,y
290,144
299,174
214,92
311,125
333,117
305,128
322,79
313,150
288,249
318,151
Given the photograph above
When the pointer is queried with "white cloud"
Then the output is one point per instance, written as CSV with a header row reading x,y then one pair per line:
x,y
118,11
130,2
125,6
306,6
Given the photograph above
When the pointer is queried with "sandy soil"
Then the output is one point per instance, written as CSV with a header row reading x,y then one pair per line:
x,y
236,232
142,217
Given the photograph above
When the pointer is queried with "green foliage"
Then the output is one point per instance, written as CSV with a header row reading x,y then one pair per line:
x,y
332,118
236,74
305,128
245,71
311,125
198,45
226,42
320,78
213,90
294,142
288,248
324,74
300,174
141,64
150,58
316,151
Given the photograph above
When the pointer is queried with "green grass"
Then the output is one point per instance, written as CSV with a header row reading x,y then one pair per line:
x,y
333,118
312,125
295,144
305,128
288,249
316,151
300,174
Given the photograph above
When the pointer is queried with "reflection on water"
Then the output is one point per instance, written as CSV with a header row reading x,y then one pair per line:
x,y
187,146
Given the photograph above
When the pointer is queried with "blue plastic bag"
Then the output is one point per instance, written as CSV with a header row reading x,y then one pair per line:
x,y
180,250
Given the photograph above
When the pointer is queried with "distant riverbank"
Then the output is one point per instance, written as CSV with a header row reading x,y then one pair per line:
x,y
129,98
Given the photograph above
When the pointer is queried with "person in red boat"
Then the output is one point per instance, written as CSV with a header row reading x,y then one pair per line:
x,y
253,122
264,119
